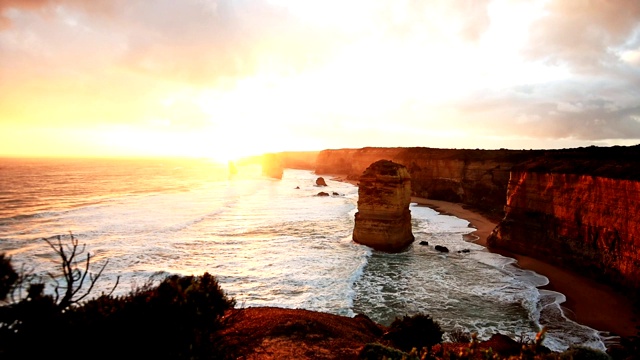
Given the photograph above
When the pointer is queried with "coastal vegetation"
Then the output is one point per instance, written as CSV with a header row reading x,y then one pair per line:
x,y
190,317
176,319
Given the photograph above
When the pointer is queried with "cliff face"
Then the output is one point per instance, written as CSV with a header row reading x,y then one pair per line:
x,y
557,210
578,208
298,159
475,177
383,220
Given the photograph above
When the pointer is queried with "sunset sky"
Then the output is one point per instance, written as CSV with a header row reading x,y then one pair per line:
x,y
231,78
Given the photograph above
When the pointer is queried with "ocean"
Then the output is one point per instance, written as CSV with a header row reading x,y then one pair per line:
x,y
269,242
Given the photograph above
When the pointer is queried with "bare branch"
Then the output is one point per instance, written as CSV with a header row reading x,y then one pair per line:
x,y
25,277
93,281
114,286
74,276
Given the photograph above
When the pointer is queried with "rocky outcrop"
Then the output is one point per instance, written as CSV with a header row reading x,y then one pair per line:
x,y
277,333
320,182
441,248
272,166
475,177
578,209
383,220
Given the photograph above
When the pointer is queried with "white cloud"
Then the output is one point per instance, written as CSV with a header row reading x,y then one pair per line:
x,y
631,57
569,107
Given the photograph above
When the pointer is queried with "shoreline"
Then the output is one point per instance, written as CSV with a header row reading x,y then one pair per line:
x,y
588,302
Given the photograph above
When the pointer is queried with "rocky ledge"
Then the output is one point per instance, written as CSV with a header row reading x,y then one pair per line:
x,y
277,333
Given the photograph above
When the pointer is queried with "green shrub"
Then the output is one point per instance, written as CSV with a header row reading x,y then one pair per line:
x,y
415,331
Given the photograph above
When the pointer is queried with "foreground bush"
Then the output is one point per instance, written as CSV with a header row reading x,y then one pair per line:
x,y
415,331
178,319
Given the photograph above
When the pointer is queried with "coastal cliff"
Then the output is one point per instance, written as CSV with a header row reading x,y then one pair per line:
x,y
273,164
383,220
579,209
474,177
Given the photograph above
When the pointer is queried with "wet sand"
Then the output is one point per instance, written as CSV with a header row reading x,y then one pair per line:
x,y
588,302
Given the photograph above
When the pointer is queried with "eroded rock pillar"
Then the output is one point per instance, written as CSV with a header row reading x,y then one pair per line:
x,y
272,166
383,220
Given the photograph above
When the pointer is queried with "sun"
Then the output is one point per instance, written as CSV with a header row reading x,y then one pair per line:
x,y
224,157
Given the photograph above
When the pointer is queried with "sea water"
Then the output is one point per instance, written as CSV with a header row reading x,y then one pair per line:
x,y
269,242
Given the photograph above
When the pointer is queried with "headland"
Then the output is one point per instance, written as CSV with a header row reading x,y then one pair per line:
x,y
568,214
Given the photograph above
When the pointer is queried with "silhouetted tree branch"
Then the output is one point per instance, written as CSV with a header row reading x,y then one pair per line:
x,y
73,275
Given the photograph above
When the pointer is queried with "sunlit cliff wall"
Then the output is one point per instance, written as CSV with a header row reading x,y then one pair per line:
x,y
580,221
475,177
273,164
299,159
579,210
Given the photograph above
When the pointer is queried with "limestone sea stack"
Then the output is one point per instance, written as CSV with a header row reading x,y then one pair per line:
x,y
383,220
272,166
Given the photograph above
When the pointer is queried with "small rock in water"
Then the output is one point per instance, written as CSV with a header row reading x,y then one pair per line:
x,y
464,251
335,193
425,243
320,182
322,193
442,248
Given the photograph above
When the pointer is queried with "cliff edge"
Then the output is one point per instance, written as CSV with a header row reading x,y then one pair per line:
x,y
478,178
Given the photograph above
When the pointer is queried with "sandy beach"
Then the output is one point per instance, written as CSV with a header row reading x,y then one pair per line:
x,y
588,302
